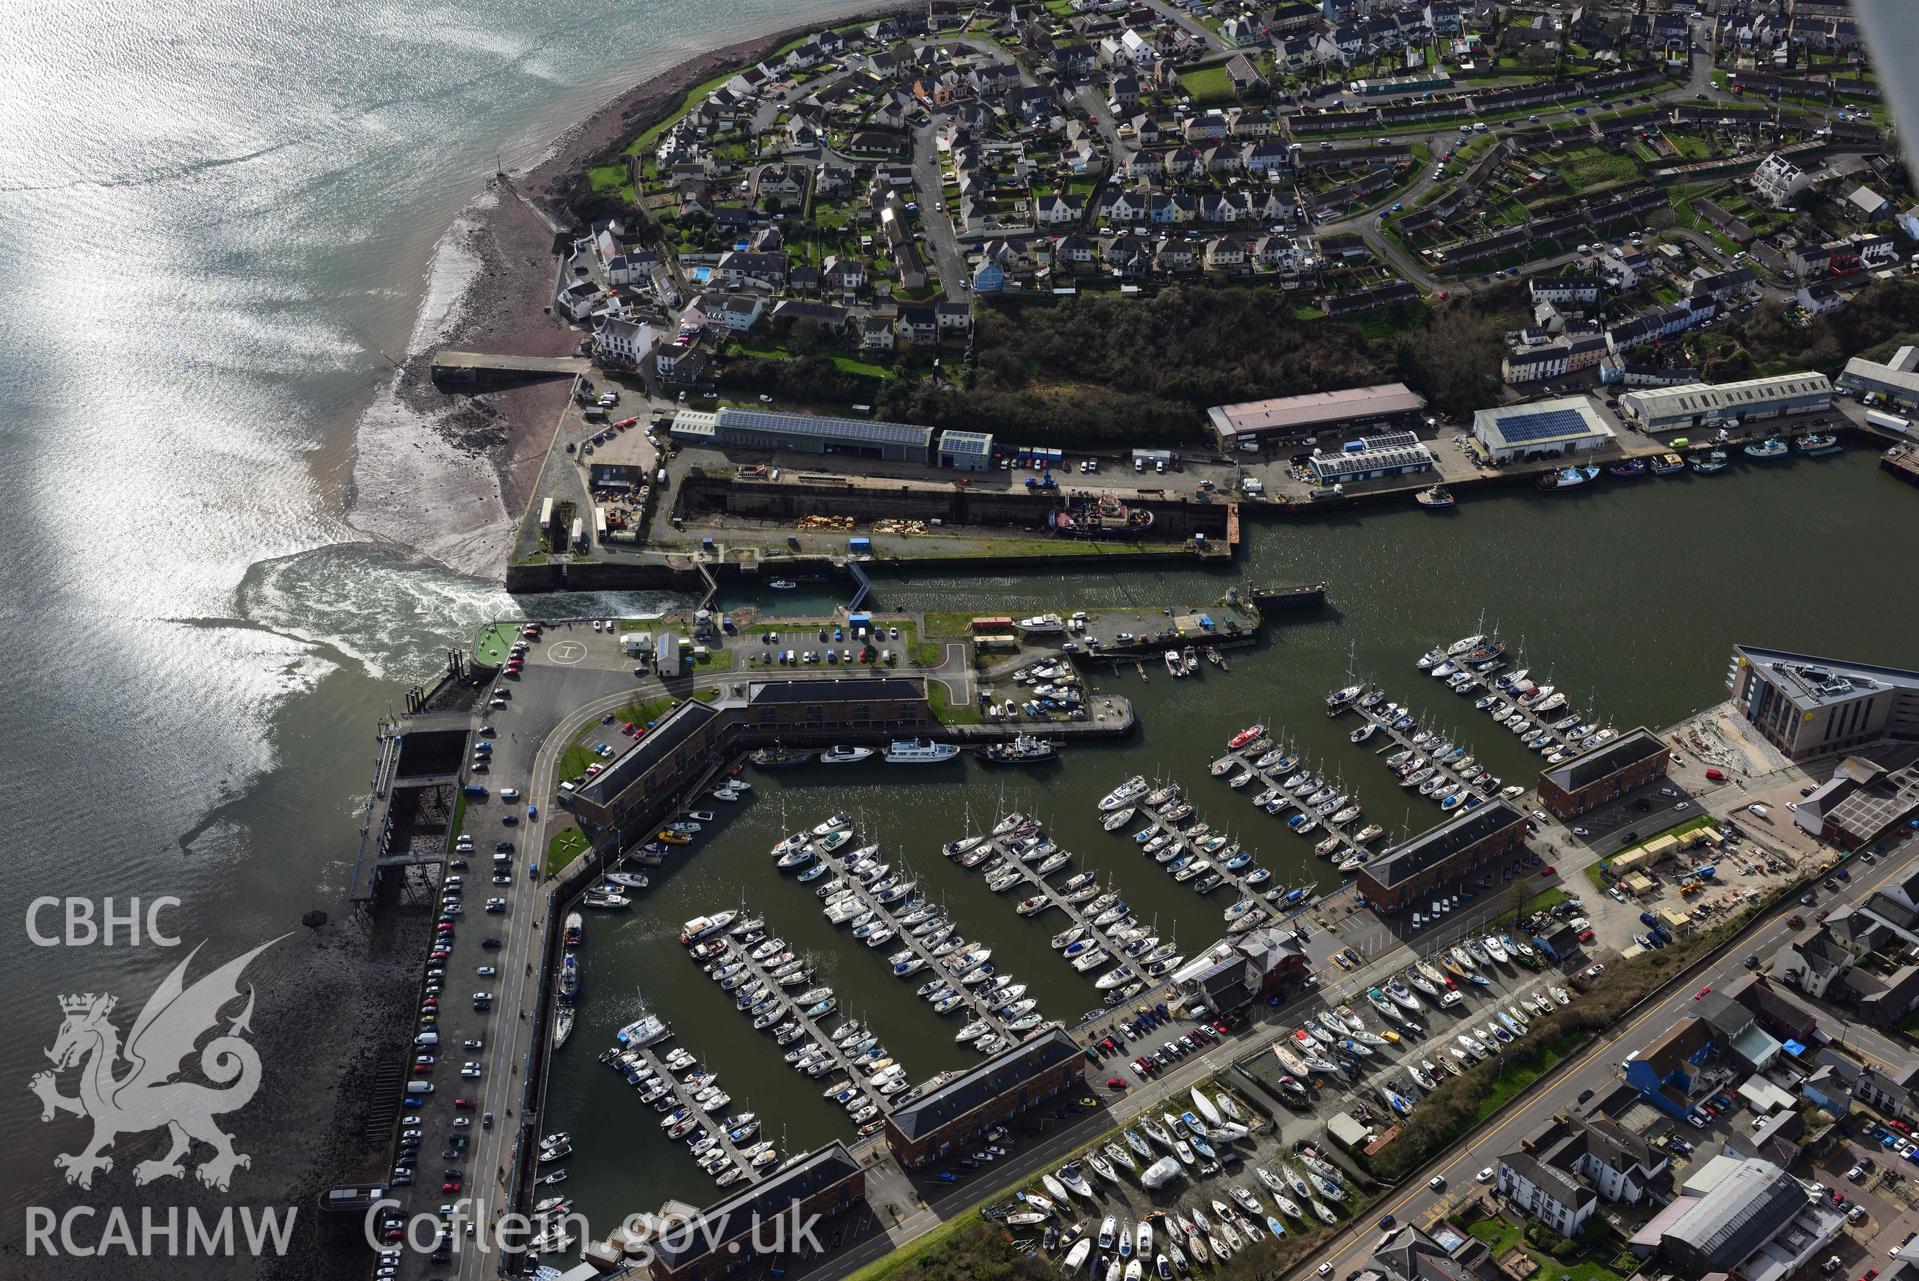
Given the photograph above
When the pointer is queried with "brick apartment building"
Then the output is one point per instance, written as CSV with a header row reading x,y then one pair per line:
x,y
629,792
722,1237
1610,770
959,1112
1414,870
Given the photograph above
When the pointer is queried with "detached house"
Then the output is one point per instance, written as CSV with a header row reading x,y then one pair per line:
x,y
737,267
1075,252
1226,253
1056,209
917,323
955,318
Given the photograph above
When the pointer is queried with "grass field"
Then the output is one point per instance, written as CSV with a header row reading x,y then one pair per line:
x,y
1584,167
1207,85
492,644
579,754
1592,1263
565,845
1541,901
947,712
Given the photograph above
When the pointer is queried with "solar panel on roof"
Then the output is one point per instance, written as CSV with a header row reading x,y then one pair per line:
x,y
839,428
1522,429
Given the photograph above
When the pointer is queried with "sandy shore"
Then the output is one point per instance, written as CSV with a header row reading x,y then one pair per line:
x,y
454,492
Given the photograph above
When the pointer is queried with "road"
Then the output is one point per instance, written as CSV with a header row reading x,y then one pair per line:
x,y
936,220
1596,1069
523,933
1214,42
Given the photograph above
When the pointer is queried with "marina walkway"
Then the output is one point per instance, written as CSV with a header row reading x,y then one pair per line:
x,y
1419,741
1534,722
683,1098
970,997
1030,879
1267,892
809,1027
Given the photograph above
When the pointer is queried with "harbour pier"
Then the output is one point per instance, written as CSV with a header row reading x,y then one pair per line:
x,y
1269,893
683,1098
1420,741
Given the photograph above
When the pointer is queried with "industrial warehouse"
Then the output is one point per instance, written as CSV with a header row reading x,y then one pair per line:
x,y
805,433
1693,405
1897,379
1252,423
1371,457
1541,429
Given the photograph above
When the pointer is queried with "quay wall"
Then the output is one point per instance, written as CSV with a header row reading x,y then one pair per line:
x,y
677,574
1174,519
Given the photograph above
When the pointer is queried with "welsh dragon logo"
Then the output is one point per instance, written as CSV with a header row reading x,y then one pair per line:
x,y
145,1096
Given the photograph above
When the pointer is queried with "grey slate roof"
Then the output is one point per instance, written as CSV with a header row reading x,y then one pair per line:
x,y
727,1220
1004,1071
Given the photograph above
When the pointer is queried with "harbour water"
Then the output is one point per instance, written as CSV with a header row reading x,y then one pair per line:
x,y
219,228
220,225
1628,598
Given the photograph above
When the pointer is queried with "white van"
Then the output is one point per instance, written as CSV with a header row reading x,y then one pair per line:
x,y
427,1038
509,793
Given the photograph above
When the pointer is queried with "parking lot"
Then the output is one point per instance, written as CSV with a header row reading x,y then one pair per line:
x,y
460,1113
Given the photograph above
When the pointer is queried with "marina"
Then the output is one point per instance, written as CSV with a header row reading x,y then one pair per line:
x,y
684,1115
789,1022
1074,902
1557,550
1208,860
939,962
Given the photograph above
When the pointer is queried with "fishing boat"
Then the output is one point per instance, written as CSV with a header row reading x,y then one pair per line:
x,y
1627,468
1022,750
1243,737
1435,498
1712,462
1817,443
1667,464
1566,478
779,757
1770,447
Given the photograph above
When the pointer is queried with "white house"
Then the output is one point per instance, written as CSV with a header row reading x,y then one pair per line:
x,y
1777,180
624,342
1546,1192
577,300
